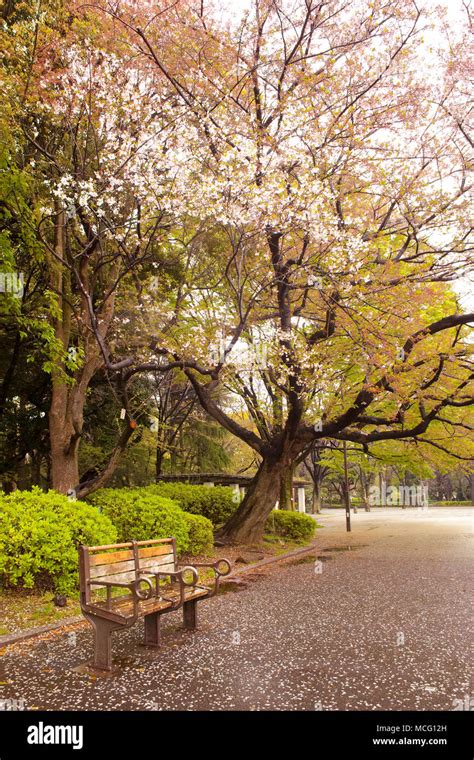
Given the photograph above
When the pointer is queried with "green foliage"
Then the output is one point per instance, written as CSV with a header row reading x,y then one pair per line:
x,y
201,534
139,515
39,537
203,440
292,525
451,503
217,504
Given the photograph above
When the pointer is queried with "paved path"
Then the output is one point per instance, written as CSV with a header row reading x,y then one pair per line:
x,y
384,626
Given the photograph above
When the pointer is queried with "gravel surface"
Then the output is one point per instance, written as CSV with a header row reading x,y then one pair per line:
x,y
377,619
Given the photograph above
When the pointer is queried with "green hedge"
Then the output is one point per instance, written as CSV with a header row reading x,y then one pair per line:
x,y
294,525
201,534
141,514
216,503
451,503
39,537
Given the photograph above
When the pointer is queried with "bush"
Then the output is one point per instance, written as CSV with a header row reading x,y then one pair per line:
x,y
452,503
201,534
294,525
139,515
217,504
39,537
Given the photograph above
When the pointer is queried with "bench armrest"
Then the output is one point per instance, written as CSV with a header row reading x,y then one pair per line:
x,y
178,575
218,573
133,586
109,585
215,566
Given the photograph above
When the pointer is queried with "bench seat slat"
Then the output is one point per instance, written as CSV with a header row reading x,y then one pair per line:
x,y
124,605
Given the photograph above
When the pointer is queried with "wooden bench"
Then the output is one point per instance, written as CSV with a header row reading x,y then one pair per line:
x,y
152,582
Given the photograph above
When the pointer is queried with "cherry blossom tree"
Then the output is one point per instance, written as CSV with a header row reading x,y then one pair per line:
x,y
332,173
89,120
310,179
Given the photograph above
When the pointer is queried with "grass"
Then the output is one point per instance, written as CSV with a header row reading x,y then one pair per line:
x,y
451,504
21,609
278,545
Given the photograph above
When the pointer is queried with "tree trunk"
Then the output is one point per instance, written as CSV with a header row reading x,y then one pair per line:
x,y
36,469
286,500
98,481
158,461
64,444
22,474
316,498
365,496
66,420
66,413
247,525
64,469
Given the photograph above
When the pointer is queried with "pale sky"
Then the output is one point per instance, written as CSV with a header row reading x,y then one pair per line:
x,y
456,18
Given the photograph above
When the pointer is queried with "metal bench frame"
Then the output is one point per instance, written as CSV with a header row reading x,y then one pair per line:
x,y
146,598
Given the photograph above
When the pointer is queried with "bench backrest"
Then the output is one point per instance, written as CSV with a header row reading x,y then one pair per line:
x,y
121,562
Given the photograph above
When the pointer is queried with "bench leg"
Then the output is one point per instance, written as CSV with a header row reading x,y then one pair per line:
x,y
152,630
190,615
103,645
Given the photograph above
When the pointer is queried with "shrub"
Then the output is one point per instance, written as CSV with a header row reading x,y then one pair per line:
x,y
201,534
217,504
452,503
294,525
39,537
139,514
